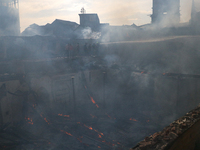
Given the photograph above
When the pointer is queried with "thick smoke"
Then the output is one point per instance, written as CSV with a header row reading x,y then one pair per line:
x,y
9,15
135,83
87,33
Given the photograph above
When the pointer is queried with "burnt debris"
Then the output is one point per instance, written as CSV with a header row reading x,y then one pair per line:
x,y
181,134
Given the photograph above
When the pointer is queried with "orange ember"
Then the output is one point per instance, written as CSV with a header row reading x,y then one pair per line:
x,y
163,73
93,116
46,120
66,132
93,100
63,115
109,116
142,72
88,127
30,121
100,136
132,119
79,140
99,147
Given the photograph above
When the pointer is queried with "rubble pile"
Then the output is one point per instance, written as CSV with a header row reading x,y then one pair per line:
x,y
164,139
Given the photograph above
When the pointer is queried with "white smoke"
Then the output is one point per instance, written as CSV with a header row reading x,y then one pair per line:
x,y
87,33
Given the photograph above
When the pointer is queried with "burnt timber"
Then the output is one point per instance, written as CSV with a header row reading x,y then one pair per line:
x,y
182,134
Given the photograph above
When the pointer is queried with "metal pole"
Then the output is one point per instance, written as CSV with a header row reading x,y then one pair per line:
x,y
74,98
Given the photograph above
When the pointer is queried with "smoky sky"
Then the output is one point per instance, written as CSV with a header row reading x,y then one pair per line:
x,y
115,12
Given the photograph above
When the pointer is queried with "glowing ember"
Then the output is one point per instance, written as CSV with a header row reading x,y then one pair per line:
x,y
94,102
109,116
142,72
93,116
64,115
45,119
30,121
98,132
79,140
91,129
163,73
34,105
88,127
99,147
100,136
132,119
66,132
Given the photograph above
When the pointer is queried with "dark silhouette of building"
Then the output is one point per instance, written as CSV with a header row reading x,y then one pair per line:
x,y
195,16
166,12
195,19
9,17
193,10
90,20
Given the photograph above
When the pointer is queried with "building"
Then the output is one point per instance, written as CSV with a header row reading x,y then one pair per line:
x,y
195,20
166,12
9,18
90,20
